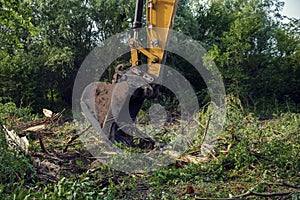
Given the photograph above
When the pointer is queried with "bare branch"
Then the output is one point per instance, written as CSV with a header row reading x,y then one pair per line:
x,y
75,137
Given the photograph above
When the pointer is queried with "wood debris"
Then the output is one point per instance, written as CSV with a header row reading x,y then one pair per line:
x,y
16,142
48,113
194,159
46,171
37,129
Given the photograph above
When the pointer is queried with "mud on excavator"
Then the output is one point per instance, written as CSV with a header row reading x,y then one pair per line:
x,y
116,118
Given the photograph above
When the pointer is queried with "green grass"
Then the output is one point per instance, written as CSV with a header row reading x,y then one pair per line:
x,y
250,153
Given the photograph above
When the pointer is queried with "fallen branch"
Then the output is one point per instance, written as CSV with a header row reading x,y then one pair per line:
x,y
271,194
251,192
291,185
16,142
43,146
75,137
284,184
227,150
205,130
18,176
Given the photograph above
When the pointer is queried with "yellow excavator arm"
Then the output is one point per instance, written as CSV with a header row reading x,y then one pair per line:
x,y
117,104
160,16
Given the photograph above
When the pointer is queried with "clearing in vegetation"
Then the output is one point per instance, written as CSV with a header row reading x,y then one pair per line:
x,y
253,158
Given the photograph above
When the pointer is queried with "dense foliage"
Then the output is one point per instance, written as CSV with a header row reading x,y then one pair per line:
x,y
43,43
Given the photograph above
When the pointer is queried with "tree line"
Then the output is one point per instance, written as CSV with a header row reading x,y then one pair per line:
x,y
43,43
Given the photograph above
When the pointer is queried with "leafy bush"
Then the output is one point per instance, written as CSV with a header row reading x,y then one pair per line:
x,y
14,166
9,112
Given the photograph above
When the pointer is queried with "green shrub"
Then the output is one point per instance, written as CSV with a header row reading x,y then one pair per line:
x,y
15,167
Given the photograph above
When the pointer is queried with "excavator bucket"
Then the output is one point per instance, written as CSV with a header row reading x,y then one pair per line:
x,y
114,107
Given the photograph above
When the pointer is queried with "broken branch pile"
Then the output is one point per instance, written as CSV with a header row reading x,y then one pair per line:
x,y
16,134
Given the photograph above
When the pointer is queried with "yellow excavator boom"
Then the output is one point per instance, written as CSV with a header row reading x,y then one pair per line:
x,y
160,16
